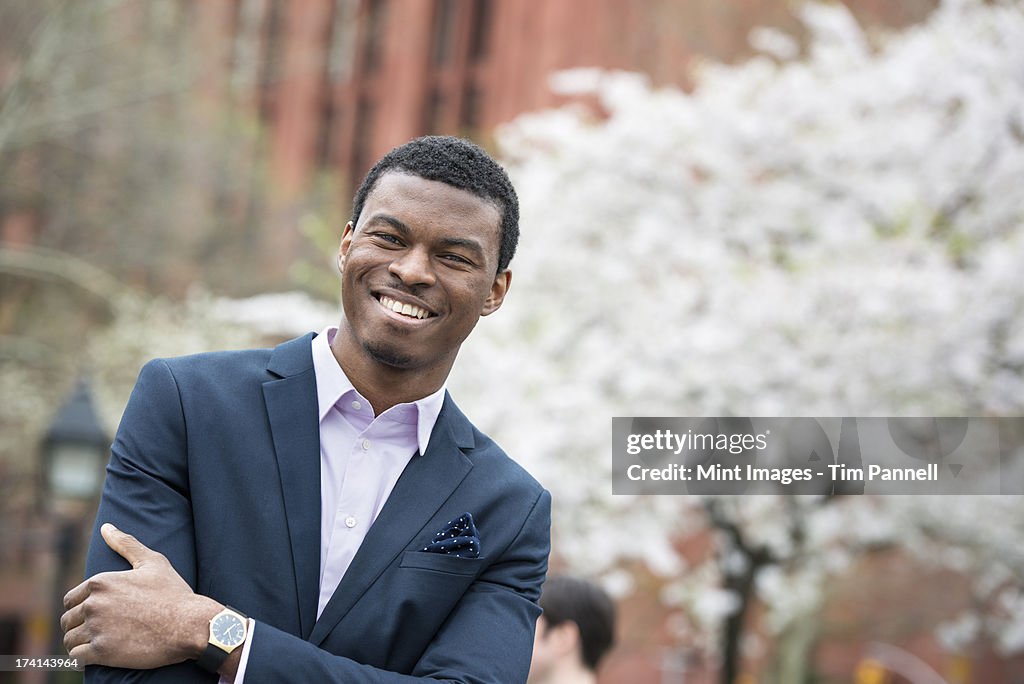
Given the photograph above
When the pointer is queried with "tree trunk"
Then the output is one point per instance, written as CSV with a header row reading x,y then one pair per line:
x,y
795,644
742,586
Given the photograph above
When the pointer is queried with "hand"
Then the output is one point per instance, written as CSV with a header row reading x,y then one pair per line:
x,y
142,618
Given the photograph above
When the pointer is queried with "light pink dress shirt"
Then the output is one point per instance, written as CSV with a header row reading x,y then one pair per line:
x,y
361,459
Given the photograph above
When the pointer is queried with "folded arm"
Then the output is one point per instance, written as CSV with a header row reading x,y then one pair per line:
x,y
148,617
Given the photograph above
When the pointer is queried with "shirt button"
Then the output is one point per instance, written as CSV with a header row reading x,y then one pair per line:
x,y
356,405
366,445
350,521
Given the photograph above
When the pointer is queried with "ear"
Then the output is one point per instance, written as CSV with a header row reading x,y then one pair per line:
x,y
499,288
564,637
346,242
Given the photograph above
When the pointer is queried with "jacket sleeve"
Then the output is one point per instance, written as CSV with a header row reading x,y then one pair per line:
x,y
146,493
488,638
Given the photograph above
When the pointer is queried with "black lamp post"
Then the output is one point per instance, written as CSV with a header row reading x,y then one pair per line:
x,y
75,450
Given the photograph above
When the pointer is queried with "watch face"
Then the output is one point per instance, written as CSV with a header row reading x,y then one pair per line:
x,y
228,629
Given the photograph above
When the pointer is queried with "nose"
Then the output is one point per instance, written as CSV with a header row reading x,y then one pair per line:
x,y
413,267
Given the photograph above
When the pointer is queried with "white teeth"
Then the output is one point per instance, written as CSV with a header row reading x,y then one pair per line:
x,y
404,309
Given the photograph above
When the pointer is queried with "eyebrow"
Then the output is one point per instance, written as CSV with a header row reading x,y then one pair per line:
x,y
395,223
399,225
465,243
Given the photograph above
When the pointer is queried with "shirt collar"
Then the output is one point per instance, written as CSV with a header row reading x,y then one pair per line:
x,y
332,384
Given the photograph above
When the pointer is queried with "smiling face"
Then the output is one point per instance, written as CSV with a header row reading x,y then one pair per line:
x,y
418,271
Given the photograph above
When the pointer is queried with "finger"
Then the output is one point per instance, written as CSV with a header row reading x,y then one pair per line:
x,y
76,638
77,595
83,654
72,618
127,546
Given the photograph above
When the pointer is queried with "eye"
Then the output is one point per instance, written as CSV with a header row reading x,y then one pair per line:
x,y
387,237
457,259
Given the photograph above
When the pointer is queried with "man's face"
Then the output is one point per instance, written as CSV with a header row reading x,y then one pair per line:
x,y
418,270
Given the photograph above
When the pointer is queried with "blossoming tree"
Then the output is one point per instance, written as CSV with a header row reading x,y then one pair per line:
x,y
828,229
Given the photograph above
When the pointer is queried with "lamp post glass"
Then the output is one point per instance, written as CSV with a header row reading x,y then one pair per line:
x,y
75,449
76,470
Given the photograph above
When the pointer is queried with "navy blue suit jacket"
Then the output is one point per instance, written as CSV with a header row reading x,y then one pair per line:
x,y
216,464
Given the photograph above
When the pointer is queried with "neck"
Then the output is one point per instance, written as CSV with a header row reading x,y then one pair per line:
x,y
565,672
383,385
568,675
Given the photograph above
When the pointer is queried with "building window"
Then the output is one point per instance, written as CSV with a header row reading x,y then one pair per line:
x,y
372,43
245,52
339,55
434,111
341,42
444,32
469,118
480,31
363,138
272,57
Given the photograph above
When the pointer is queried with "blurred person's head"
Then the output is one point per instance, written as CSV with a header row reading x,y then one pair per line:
x,y
459,163
573,634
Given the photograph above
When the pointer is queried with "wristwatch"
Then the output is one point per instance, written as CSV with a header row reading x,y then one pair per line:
x,y
227,632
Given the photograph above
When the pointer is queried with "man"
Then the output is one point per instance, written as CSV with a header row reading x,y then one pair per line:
x,y
575,632
322,511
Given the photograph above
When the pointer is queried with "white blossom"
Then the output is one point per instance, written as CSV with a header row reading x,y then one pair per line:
x,y
837,233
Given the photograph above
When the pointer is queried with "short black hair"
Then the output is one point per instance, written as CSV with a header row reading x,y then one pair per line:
x,y
461,164
589,606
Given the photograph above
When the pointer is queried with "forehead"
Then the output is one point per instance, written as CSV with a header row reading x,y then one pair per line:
x,y
418,201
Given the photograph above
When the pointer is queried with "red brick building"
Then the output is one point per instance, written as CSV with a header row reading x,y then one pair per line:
x,y
343,81
333,84
337,83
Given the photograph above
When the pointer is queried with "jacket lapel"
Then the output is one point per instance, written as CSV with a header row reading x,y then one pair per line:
x,y
292,411
425,484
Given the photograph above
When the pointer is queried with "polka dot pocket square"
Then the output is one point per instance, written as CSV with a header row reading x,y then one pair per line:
x,y
459,538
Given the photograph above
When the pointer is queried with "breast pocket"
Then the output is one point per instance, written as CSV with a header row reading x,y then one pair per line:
x,y
439,562
426,587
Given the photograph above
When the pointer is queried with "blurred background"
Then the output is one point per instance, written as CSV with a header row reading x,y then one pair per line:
x,y
730,207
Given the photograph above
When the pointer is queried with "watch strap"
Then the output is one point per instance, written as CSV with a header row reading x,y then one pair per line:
x,y
214,656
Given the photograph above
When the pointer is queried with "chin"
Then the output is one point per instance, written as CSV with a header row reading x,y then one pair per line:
x,y
389,356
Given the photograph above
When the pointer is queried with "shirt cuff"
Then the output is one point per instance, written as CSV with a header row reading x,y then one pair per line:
x,y
240,674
